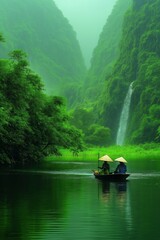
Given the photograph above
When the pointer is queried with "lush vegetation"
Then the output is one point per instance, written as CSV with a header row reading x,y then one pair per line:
x,y
137,60
90,113
148,151
33,124
105,53
39,29
94,133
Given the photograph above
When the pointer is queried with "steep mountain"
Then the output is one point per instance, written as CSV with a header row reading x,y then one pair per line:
x,y
90,115
39,28
106,52
138,62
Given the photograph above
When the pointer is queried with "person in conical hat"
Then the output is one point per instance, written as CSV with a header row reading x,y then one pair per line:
x,y
121,168
105,167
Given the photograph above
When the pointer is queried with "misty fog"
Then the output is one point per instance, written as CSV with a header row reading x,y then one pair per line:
x,y
87,18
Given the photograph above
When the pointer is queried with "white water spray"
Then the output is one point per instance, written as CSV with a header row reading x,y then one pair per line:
x,y
124,117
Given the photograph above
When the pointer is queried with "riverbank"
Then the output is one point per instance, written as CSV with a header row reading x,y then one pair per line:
x,y
134,152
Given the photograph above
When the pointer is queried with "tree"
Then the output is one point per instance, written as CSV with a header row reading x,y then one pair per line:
x,y
33,124
82,118
98,135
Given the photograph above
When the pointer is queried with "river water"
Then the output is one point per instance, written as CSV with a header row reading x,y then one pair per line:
x,y
63,201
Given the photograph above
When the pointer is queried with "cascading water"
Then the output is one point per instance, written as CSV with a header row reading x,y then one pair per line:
x,y
124,117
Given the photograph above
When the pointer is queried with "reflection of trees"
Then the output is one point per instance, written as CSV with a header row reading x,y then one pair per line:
x,y
24,199
45,206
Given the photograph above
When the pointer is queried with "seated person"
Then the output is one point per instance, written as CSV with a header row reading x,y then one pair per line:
x,y
121,168
105,167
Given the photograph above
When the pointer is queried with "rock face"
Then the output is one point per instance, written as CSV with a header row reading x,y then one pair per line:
x,y
39,28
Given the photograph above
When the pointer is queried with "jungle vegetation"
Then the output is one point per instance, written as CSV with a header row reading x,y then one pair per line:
x,y
138,62
90,110
138,152
106,53
136,59
39,28
33,124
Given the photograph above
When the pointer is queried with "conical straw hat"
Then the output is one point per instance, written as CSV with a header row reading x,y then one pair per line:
x,y
106,158
120,159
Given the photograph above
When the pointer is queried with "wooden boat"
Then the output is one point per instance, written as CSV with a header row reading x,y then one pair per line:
x,y
115,177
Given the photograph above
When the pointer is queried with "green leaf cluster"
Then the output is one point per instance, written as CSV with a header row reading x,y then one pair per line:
x,y
33,125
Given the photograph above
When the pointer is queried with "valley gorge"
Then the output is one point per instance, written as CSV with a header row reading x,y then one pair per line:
x,y
127,51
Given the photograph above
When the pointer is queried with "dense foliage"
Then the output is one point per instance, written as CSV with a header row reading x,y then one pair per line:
x,y
128,51
139,62
94,134
94,91
39,29
105,53
138,152
33,125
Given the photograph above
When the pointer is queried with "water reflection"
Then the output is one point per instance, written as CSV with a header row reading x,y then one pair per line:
x,y
105,187
73,204
105,190
109,189
116,200
121,188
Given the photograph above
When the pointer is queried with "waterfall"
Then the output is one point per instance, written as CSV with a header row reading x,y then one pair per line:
x,y
124,117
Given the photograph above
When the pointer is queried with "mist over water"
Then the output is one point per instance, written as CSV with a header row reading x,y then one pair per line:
x,y
88,18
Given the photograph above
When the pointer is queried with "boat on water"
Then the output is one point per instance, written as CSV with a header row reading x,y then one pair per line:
x,y
116,176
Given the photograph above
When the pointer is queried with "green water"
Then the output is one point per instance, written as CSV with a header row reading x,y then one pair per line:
x,y
65,201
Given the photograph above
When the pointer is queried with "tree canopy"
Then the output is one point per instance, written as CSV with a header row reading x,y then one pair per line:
x,y
33,125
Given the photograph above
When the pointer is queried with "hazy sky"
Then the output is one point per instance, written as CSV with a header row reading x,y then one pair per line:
x,y
87,18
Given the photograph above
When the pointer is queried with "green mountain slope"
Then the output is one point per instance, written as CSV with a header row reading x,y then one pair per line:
x,y
90,115
139,62
106,52
39,28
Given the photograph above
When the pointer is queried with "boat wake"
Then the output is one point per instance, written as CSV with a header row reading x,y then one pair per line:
x,y
84,173
144,175
69,173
